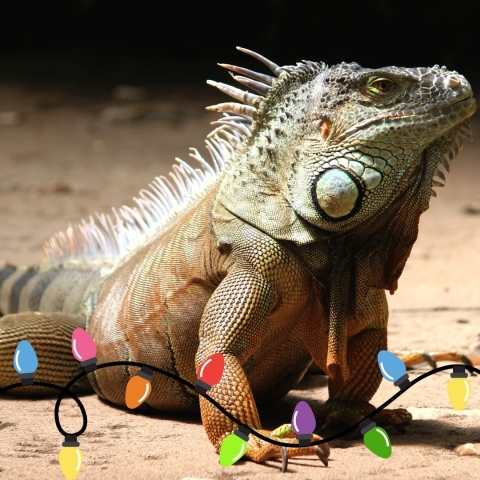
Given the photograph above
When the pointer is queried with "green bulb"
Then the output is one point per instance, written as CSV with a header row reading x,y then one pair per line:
x,y
232,450
378,442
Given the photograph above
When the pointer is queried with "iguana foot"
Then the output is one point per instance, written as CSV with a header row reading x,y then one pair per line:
x,y
259,450
335,413
414,357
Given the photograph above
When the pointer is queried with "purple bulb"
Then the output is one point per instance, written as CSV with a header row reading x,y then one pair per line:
x,y
303,419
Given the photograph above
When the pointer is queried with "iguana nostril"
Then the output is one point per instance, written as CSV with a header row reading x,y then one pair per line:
x,y
453,81
325,128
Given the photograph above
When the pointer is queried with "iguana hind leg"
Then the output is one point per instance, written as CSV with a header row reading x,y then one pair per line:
x,y
349,398
349,401
50,335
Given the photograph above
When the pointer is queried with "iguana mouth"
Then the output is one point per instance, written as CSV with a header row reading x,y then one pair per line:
x,y
455,106
467,103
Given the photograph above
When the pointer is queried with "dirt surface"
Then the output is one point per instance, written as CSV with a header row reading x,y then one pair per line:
x,y
65,153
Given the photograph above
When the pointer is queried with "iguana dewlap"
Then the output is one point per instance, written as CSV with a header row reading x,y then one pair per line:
x,y
277,252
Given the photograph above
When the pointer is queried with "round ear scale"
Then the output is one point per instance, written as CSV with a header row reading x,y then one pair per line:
x,y
337,194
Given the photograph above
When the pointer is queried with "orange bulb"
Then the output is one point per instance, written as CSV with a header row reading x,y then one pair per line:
x,y
139,388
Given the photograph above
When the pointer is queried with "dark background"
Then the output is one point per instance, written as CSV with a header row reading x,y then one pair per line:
x,y
139,42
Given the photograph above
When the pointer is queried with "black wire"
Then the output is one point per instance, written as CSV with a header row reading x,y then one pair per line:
x,y
63,390
99,367
66,390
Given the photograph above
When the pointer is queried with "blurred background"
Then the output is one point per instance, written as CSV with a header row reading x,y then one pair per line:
x,y
97,97
102,41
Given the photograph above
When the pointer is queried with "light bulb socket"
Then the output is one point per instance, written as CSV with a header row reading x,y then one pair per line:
x,y
403,382
89,365
70,441
304,439
459,372
201,387
366,425
26,378
243,432
146,373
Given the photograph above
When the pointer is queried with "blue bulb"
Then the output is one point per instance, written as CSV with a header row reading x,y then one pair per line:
x,y
25,359
391,366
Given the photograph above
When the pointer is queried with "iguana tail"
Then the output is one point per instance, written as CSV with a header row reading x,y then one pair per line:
x,y
13,280
52,302
70,288
50,335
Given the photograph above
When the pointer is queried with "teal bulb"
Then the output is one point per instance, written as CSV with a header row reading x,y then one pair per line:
x,y
378,442
391,367
232,450
25,359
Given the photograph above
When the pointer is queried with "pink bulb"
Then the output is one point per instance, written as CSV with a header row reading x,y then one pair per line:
x,y
83,346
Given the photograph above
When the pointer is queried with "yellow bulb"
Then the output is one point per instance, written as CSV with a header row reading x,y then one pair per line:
x,y
458,390
70,459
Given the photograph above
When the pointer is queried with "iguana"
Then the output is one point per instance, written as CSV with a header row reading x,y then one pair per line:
x,y
276,254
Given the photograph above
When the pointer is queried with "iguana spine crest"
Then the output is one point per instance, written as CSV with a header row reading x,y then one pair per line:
x,y
128,228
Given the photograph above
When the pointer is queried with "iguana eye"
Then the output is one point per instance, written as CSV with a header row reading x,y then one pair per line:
x,y
381,86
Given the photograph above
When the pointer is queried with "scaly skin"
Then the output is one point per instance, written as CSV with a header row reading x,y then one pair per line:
x,y
293,245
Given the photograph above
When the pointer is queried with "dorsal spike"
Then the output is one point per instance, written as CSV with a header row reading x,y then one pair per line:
x,y
272,66
445,162
195,154
459,142
245,97
214,154
466,131
260,77
440,174
239,126
223,130
238,118
258,87
236,108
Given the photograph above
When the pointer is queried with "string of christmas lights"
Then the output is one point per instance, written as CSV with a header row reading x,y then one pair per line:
x,y
209,373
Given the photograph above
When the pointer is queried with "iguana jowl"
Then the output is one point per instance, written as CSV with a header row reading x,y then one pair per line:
x,y
278,254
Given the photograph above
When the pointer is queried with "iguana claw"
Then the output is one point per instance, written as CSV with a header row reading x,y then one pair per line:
x,y
321,455
284,459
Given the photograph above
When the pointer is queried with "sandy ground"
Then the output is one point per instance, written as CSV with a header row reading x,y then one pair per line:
x,y
68,153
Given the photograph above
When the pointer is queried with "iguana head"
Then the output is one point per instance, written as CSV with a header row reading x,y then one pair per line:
x,y
339,145
366,137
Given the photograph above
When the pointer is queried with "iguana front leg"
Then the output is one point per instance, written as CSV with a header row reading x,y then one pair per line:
x,y
235,323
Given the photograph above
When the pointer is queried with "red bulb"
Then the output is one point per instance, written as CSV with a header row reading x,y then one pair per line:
x,y
209,372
